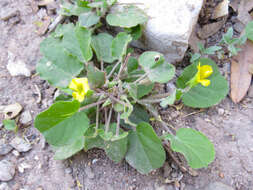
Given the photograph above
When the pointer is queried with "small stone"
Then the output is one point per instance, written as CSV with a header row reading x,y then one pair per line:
x,y
174,174
89,172
23,166
15,153
239,27
4,186
7,170
36,157
8,13
94,161
68,170
1,125
217,186
18,68
221,111
26,117
20,144
4,147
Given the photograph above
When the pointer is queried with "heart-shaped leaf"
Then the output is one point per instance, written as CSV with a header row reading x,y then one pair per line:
x,y
62,124
196,147
157,69
88,19
101,44
127,18
201,96
119,45
145,151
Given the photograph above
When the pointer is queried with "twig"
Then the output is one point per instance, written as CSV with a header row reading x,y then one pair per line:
x,y
113,69
59,19
39,94
196,112
180,165
159,95
97,118
108,121
118,124
92,105
106,118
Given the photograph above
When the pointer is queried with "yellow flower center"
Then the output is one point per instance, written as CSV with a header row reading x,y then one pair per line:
x,y
80,86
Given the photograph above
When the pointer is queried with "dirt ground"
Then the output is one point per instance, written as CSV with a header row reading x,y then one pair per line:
x,y
228,126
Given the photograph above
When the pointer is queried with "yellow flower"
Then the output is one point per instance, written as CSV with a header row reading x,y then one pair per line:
x,y
80,86
203,73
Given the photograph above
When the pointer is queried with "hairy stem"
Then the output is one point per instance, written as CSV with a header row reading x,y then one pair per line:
x,y
107,126
97,118
92,105
118,124
122,67
113,69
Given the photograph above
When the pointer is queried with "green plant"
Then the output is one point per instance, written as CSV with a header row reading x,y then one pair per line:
x,y
111,110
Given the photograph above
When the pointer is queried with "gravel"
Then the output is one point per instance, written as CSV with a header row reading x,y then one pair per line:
x,y
218,186
4,147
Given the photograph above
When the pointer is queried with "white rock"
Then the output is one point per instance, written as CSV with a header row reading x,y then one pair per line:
x,y
169,26
26,117
20,144
4,186
7,170
15,153
18,67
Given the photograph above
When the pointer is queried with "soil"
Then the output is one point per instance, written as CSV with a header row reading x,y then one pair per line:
x,y
228,126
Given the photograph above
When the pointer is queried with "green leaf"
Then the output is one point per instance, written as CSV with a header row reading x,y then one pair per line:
x,y
127,18
62,124
145,152
101,44
138,91
115,149
169,100
135,32
84,41
88,19
69,9
211,50
119,45
132,64
200,96
58,67
64,152
138,115
10,125
228,36
196,147
154,65
195,57
249,30
95,76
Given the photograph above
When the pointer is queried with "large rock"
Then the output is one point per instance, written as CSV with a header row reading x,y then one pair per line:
x,y
7,170
170,25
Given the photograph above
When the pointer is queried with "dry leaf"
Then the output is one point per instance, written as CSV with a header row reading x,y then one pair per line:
x,y
240,75
45,24
11,111
243,11
210,29
220,10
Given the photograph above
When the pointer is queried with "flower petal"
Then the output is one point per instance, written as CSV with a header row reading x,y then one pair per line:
x,y
77,96
73,85
204,82
205,71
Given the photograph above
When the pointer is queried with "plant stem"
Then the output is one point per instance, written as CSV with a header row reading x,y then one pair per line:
x,y
113,69
141,78
107,126
158,118
118,125
123,66
92,105
159,95
102,66
97,118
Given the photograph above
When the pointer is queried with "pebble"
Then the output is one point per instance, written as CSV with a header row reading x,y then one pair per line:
x,y
20,144
68,170
18,68
4,147
23,166
15,153
89,172
221,111
7,170
26,117
217,186
94,161
4,186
